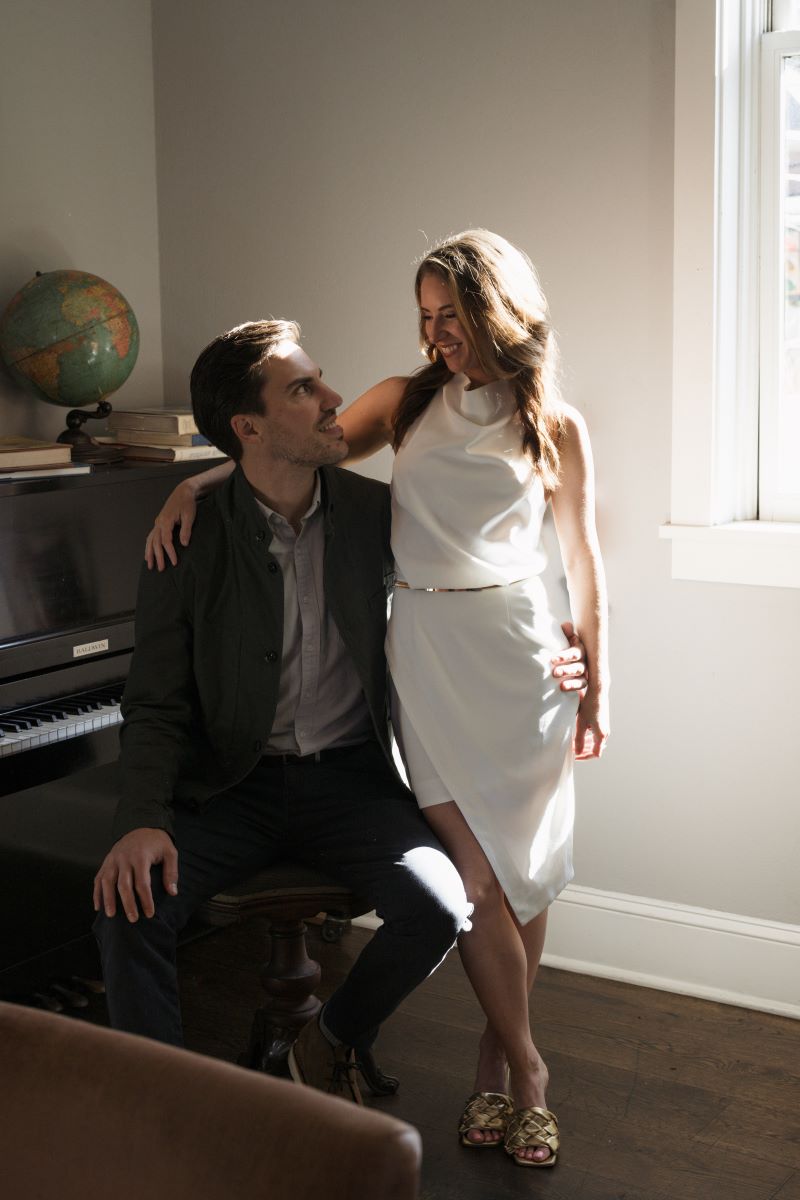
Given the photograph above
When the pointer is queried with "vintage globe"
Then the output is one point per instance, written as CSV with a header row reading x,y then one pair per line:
x,y
70,336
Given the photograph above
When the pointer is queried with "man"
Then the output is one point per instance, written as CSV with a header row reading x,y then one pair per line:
x,y
256,716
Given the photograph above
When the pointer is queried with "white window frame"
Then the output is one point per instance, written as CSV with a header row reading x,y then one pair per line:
x,y
773,505
714,530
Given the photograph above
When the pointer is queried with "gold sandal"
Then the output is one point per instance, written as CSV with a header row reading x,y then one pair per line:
x,y
528,1129
485,1110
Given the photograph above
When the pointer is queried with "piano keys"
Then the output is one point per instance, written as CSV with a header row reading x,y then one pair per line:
x,y
71,716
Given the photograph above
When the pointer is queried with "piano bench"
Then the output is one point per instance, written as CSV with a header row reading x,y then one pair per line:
x,y
288,895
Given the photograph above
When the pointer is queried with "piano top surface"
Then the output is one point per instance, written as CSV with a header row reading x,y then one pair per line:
x,y
103,474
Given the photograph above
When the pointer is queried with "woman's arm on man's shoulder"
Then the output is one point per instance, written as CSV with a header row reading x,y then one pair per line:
x,y
368,423
180,508
368,427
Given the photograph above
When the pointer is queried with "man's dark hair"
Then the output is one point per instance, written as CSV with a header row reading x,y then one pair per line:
x,y
228,377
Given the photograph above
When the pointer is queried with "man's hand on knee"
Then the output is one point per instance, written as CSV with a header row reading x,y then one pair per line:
x,y
126,869
569,667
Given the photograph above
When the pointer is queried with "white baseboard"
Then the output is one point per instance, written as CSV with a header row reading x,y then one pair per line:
x,y
654,943
695,951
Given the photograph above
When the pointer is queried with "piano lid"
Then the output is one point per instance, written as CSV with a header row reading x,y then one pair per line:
x,y
71,551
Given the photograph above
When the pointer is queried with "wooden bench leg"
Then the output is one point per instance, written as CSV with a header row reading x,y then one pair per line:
x,y
290,978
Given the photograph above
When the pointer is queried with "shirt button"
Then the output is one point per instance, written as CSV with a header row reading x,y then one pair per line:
x,y
272,568
271,656
260,535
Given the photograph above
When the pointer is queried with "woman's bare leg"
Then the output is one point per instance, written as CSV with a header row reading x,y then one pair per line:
x,y
495,954
492,1066
533,935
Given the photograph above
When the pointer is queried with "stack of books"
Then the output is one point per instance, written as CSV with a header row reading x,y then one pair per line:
x,y
158,434
27,458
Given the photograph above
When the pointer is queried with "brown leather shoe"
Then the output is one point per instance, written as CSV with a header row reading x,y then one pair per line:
x,y
315,1062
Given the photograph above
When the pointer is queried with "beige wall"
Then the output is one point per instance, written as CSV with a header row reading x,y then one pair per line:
x,y
307,153
77,157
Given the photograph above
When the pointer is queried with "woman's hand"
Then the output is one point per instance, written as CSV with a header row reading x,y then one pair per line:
x,y
569,666
592,727
179,508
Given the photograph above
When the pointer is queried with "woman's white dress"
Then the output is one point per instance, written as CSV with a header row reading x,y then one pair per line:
x,y
476,713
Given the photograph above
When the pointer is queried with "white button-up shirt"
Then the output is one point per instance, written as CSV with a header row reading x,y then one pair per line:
x,y
320,699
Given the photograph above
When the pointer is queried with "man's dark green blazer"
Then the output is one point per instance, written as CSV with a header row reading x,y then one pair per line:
x,y
203,686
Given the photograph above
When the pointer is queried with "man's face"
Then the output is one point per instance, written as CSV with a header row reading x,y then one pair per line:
x,y
299,422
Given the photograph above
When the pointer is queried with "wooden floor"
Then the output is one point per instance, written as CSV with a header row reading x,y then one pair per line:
x,y
659,1097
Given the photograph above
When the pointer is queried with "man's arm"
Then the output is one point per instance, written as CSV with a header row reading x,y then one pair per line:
x,y
157,707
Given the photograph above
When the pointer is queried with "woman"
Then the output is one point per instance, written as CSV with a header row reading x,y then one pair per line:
x,y
483,442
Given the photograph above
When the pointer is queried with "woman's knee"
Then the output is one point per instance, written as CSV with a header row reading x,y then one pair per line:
x,y
485,893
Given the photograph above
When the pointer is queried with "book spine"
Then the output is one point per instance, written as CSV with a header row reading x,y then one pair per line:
x,y
34,458
47,472
153,423
147,437
172,453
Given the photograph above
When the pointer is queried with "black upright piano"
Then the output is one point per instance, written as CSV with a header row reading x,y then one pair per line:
x,y
71,549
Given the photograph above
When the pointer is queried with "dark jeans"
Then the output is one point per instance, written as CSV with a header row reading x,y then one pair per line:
x,y
347,816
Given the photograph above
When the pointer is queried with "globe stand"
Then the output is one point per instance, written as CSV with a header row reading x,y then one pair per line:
x,y
83,448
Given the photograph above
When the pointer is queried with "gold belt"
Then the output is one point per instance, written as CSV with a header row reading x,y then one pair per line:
x,y
486,588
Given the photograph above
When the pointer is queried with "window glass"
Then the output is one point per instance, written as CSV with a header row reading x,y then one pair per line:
x,y
788,464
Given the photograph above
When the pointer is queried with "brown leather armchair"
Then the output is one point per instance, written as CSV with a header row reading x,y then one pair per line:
x,y
86,1111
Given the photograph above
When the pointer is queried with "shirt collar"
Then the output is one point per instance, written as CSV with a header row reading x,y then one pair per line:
x,y
275,519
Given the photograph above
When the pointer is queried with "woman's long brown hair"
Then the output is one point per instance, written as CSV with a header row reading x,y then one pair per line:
x,y
501,307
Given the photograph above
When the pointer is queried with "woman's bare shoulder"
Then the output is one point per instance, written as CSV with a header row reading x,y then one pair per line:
x,y
574,444
572,422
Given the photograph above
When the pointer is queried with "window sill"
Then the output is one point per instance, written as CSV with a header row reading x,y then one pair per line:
x,y
762,553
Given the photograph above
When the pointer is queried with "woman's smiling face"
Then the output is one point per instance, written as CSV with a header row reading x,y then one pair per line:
x,y
443,329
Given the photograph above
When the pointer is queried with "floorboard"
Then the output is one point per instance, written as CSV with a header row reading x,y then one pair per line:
x,y
659,1097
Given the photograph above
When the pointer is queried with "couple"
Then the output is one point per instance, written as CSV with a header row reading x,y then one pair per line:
x,y
256,710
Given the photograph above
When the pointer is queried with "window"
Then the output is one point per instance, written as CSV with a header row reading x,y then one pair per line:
x,y
734,514
779,470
